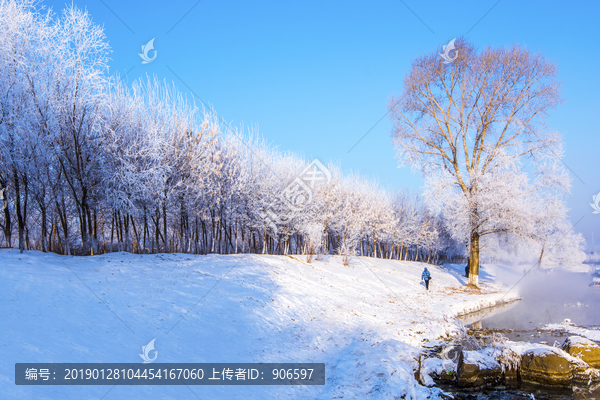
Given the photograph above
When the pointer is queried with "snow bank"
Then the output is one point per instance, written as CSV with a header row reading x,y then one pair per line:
x,y
366,322
434,366
589,333
382,371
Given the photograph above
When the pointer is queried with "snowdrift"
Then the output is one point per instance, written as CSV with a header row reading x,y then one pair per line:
x,y
366,322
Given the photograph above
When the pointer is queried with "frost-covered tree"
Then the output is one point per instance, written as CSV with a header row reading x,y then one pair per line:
x,y
92,164
475,127
26,70
78,98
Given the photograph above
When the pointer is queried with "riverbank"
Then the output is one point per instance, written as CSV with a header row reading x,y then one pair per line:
x,y
545,345
368,322
568,371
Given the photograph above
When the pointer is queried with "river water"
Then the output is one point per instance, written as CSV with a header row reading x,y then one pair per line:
x,y
546,298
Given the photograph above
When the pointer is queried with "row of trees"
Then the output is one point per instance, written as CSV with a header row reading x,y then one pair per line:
x,y
90,165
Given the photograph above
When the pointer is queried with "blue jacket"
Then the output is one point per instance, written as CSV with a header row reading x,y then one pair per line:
x,y
426,275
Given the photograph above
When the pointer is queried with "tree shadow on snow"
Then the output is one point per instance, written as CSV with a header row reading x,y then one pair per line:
x,y
458,271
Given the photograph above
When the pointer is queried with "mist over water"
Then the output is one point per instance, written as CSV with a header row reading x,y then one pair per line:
x,y
547,298
551,297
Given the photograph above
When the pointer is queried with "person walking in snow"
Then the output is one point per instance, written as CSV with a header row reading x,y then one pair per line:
x,y
426,276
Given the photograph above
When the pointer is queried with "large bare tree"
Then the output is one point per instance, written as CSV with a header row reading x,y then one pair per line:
x,y
469,119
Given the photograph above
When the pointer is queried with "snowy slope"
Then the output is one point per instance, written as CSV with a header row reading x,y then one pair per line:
x,y
365,321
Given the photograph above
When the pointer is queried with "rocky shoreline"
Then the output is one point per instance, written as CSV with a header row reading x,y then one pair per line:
x,y
505,364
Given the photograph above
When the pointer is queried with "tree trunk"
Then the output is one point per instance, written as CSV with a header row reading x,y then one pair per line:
x,y
20,211
93,229
164,216
7,227
399,255
146,231
126,226
136,238
44,227
51,236
474,260
62,213
541,255
112,232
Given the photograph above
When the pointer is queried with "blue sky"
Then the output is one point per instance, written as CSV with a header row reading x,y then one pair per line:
x,y
315,77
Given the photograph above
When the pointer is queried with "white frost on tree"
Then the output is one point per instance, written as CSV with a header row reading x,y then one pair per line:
x,y
475,128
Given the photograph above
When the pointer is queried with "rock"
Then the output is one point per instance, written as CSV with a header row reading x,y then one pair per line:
x,y
436,369
584,349
546,366
448,375
586,376
511,376
476,370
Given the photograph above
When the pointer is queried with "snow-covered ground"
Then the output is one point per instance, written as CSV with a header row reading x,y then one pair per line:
x,y
366,322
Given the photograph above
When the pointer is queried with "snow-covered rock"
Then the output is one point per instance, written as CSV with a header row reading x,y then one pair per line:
x,y
477,369
549,366
507,363
584,349
437,368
